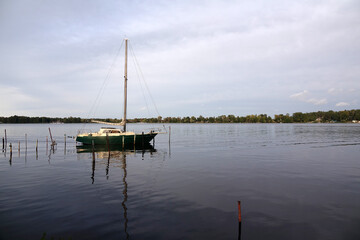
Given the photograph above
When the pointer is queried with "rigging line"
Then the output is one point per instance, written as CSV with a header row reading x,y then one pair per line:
x,y
143,78
139,79
142,75
101,91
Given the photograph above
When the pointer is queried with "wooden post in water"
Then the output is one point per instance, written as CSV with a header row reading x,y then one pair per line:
x,y
50,135
37,143
3,143
169,133
239,217
52,141
5,139
19,146
10,151
10,160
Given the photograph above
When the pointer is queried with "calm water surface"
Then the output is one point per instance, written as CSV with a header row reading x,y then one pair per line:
x,y
294,181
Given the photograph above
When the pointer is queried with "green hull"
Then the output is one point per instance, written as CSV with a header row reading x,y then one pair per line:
x,y
137,139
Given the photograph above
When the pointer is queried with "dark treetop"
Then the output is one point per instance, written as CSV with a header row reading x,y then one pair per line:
x,y
298,117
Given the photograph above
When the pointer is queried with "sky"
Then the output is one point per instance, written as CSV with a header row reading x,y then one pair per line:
x,y
209,58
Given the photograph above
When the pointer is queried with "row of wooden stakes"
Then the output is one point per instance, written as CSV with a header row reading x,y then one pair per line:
x,y
4,143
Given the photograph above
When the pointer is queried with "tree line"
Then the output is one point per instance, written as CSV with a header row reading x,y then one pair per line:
x,y
298,117
24,119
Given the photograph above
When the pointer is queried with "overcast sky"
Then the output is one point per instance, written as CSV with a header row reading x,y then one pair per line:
x,y
198,57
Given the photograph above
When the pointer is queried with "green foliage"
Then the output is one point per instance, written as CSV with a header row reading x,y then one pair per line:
x,y
23,119
297,117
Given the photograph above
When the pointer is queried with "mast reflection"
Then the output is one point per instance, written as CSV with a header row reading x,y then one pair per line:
x,y
115,153
107,168
93,168
125,195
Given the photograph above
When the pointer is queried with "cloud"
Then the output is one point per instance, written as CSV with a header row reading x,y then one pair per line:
x,y
300,95
334,90
317,101
342,104
305,96
12,99
338,91
197,49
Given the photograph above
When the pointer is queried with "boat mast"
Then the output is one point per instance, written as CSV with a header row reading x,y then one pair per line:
x,y
125,83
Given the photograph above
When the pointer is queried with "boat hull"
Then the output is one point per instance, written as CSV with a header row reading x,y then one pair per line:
x,y
131,139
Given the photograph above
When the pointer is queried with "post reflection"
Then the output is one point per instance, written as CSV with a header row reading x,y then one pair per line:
x,y
107,168
115,154
93,168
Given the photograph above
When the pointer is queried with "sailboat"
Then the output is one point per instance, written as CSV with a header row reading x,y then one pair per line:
x,y
116,136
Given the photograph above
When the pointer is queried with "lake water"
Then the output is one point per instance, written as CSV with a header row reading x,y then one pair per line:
x,y
294,181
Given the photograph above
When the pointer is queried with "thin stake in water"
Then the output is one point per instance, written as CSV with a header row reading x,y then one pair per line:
x,y
53,143
10,153
169,133
37,143
5,139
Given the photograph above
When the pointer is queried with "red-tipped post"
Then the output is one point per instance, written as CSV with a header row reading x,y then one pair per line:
x,y
239,209
239,216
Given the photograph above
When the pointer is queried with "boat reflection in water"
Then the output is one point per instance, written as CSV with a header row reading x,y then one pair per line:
x,y
115,153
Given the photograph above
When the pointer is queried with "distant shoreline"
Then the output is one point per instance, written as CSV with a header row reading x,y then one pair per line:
x,y
346,116
357,122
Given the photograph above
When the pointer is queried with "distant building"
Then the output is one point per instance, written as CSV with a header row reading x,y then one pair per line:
x,y
318,120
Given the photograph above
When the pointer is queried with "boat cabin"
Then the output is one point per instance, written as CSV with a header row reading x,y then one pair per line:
x,y
109,130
